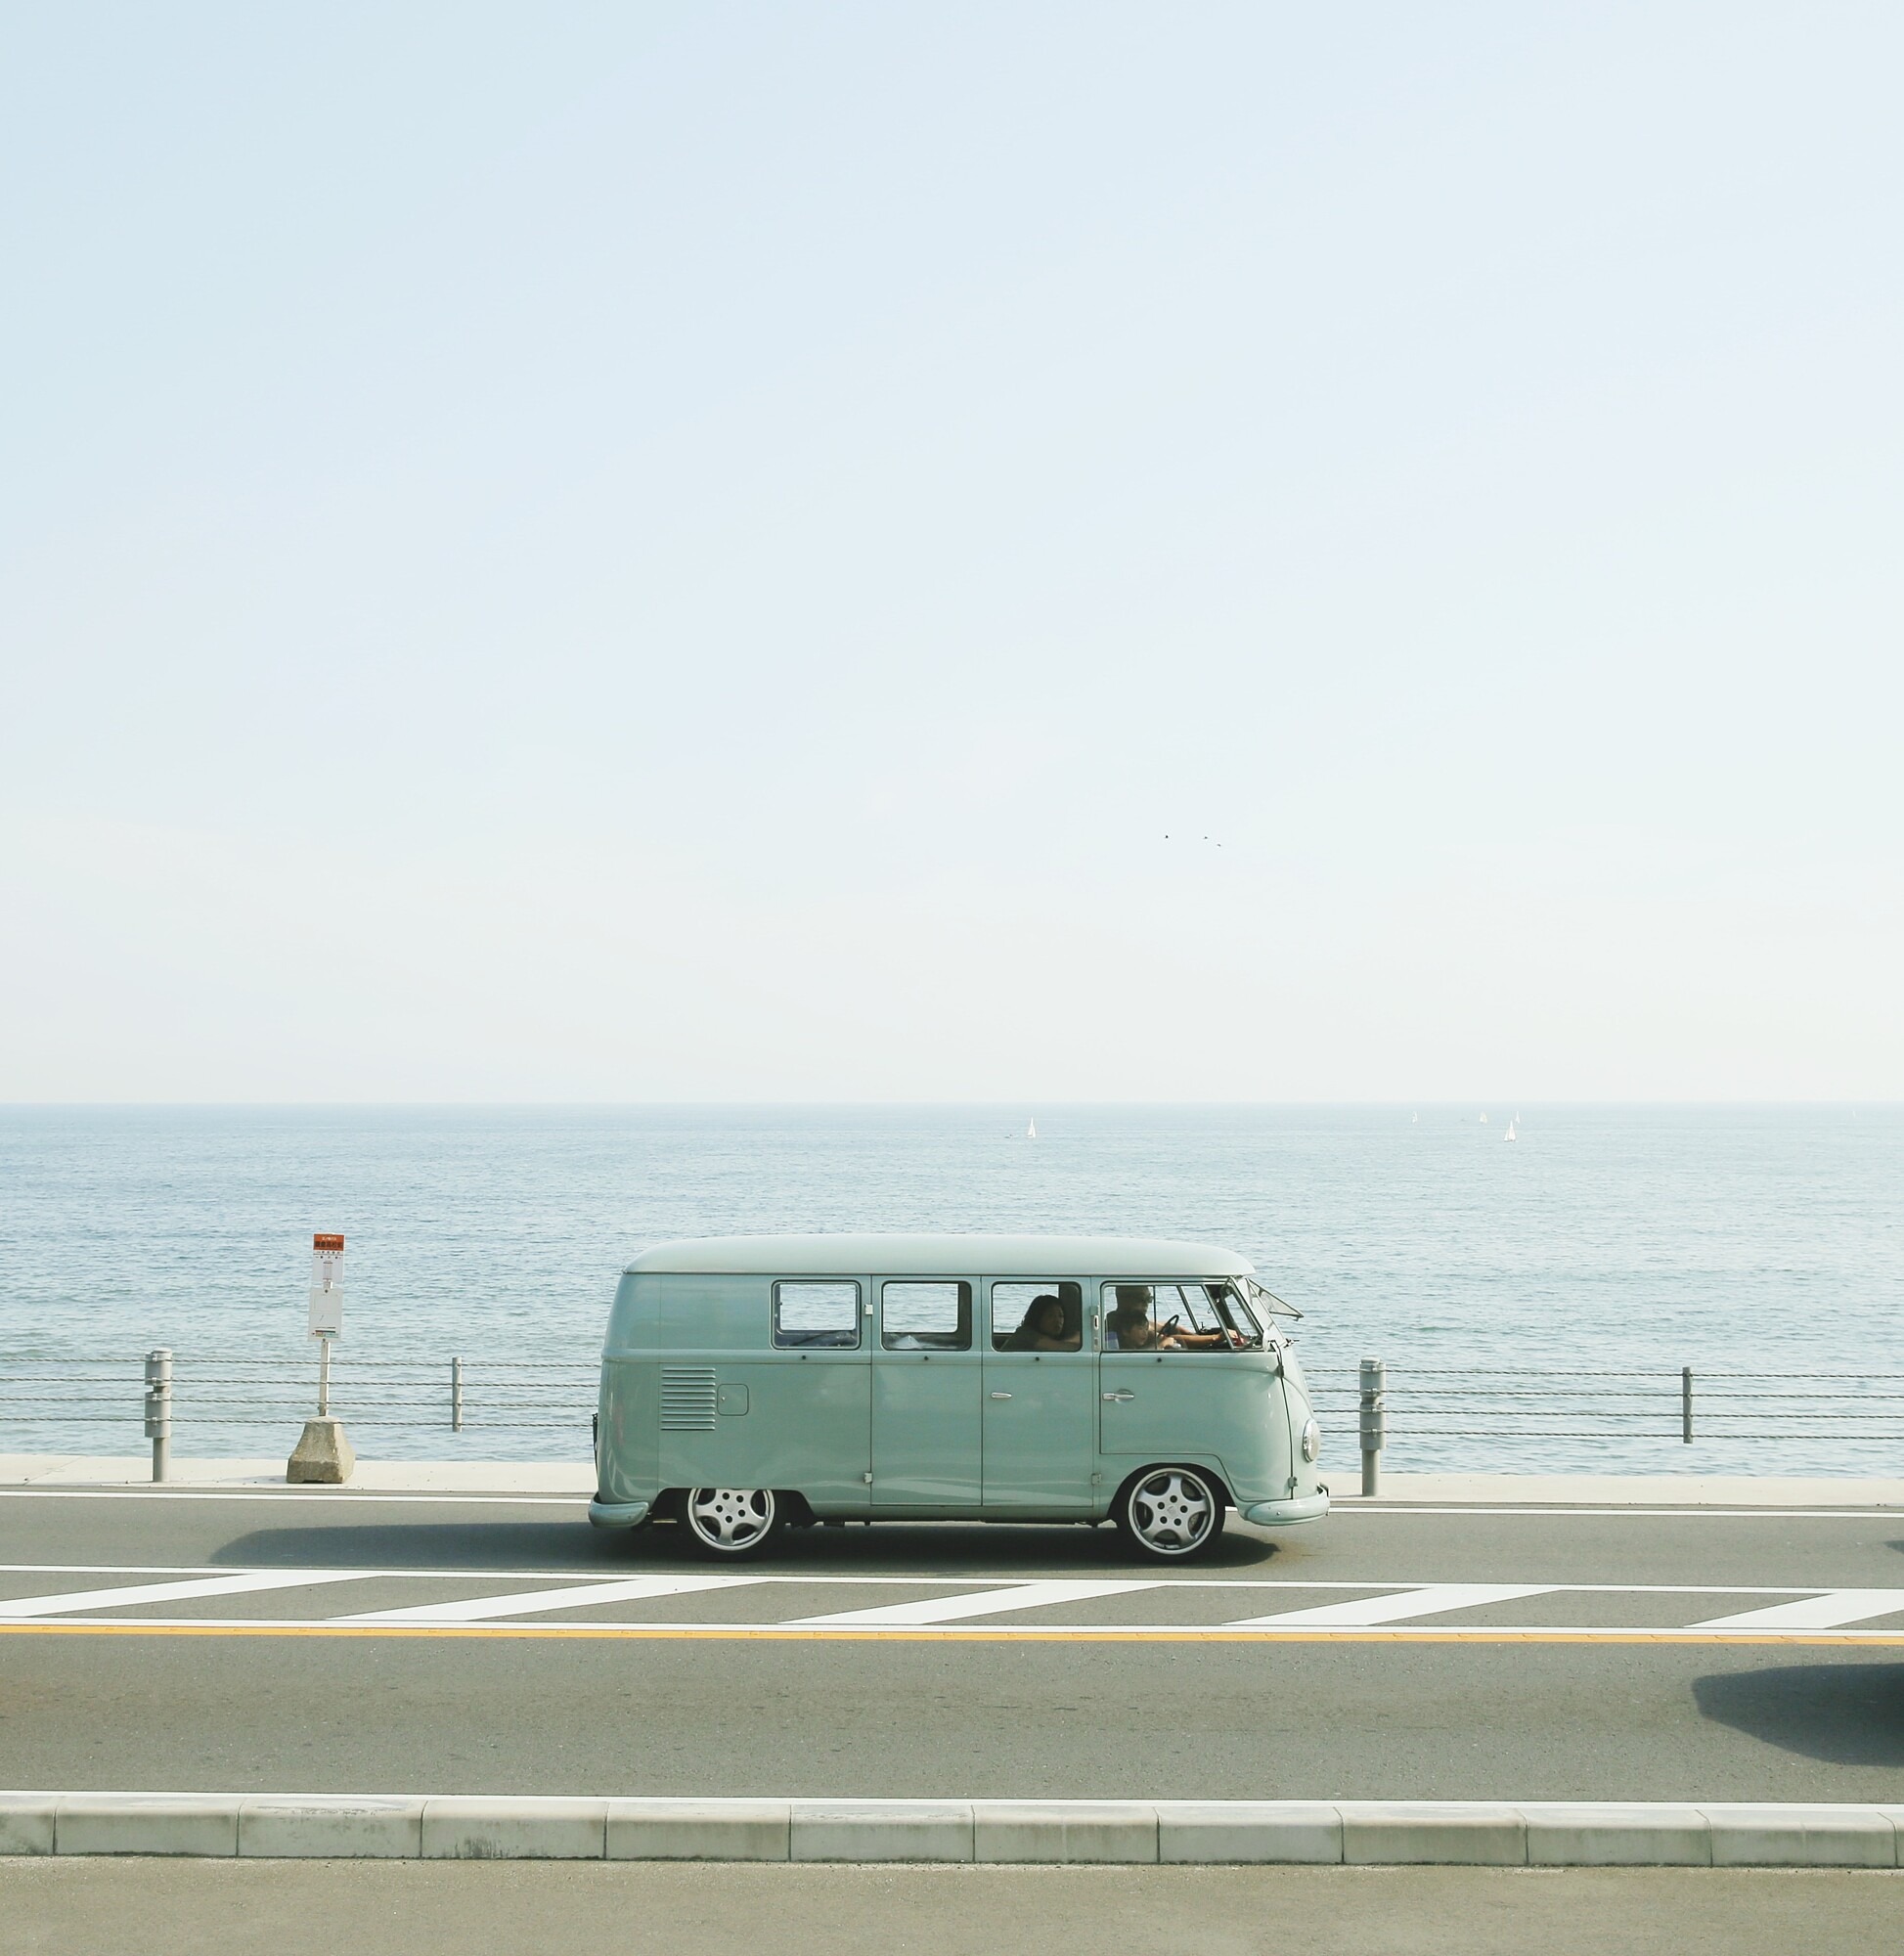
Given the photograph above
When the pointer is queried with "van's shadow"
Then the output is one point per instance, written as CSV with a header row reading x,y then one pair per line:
x,y
1849,1715
498,1546
939,1548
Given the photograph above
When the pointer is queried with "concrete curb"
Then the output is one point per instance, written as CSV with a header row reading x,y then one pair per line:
x,y
1548,1834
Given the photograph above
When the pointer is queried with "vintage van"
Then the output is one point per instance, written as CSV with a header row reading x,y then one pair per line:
x,y
750,1383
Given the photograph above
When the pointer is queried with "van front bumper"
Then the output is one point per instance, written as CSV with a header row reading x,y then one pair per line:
x,y
617,1514
1285,1514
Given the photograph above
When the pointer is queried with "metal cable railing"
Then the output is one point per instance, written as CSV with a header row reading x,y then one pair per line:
x,y
1681,1406
1859,1414
68,1399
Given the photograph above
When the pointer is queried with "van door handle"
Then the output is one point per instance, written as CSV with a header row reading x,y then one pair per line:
x,y
1001,1396
1118,1396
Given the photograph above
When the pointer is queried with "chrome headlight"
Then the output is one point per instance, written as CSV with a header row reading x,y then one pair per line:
x,y
1312,1439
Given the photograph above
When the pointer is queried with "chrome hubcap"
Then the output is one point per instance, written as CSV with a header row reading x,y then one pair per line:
x,y
731,1517
1170,1512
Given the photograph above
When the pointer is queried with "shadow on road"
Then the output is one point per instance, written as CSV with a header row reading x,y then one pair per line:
x,y
1846,1713
427,1546
892,1549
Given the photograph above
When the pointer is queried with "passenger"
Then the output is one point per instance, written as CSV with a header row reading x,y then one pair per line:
x,y
1129,1322
1044,1328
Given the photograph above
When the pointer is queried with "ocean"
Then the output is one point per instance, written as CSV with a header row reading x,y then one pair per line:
x,y
1604,1241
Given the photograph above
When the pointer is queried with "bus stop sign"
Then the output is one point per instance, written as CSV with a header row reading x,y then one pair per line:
x,y
327,1286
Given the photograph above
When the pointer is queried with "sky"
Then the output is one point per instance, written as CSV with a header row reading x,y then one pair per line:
x,y
992,552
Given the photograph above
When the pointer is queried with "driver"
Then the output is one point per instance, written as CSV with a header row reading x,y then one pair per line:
x,y
1130,1326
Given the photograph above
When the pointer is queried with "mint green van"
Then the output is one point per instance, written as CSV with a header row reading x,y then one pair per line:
x,y
753,1383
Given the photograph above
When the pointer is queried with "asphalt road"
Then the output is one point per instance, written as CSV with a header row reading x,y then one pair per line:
x,y
1558,1691
413,1908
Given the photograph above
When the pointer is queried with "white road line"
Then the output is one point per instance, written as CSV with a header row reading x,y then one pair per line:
x,y
987,1603
1814,1613
1757,1609
1394,1609
867,1578
529,1602
1493,1635
13,1608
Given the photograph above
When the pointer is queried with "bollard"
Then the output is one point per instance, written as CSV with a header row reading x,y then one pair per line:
x,y
1686,1404
158,1412
1375,1423
455,1395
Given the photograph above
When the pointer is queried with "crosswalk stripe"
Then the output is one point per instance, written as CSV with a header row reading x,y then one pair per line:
x,y
985,1603
1398,1607
481,1609
72,1600
139,1596
1813,1613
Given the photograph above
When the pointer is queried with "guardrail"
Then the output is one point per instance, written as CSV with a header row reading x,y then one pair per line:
x,y
1448,1403
226,1395
221,1396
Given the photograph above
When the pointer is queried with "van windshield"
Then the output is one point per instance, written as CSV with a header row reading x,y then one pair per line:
x,y
1179,1318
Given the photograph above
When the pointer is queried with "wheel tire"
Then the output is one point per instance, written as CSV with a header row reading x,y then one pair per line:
x,y
1171,1514
732,1523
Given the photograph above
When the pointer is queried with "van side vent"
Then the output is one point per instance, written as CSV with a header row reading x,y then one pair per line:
x,y
687,1397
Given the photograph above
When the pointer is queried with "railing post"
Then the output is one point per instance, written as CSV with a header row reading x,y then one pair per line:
x,y
1686,1404
455,1395
158,1412
1375,1422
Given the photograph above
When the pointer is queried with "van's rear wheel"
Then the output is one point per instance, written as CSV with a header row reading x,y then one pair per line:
x,y
1172,1513
731,1522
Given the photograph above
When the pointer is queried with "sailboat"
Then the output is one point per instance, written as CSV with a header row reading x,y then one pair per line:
x,y
1510,1134
1030,1132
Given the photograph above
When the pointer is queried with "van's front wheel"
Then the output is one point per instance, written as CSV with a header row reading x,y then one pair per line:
x,y
1172,1513
731,1522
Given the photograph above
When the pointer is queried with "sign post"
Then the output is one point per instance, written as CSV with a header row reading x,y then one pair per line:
x,y
327,1321
322,1454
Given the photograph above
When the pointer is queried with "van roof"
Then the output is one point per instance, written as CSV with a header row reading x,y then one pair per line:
x,y
942,1256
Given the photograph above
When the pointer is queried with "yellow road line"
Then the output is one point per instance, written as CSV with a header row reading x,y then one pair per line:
x,y
773,1633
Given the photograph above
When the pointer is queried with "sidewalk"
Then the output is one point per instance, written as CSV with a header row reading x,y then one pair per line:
x,y
577,1478
463,1477
1624,1490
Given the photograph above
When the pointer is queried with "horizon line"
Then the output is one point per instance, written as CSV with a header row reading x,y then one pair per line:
x,y
1438,1103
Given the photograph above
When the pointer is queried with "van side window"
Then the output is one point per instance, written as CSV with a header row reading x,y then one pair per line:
x,y
925,1316
1038,1317
1177,1317
817,1317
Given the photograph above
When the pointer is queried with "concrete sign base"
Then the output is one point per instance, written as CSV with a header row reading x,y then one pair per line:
x,y
323,1455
